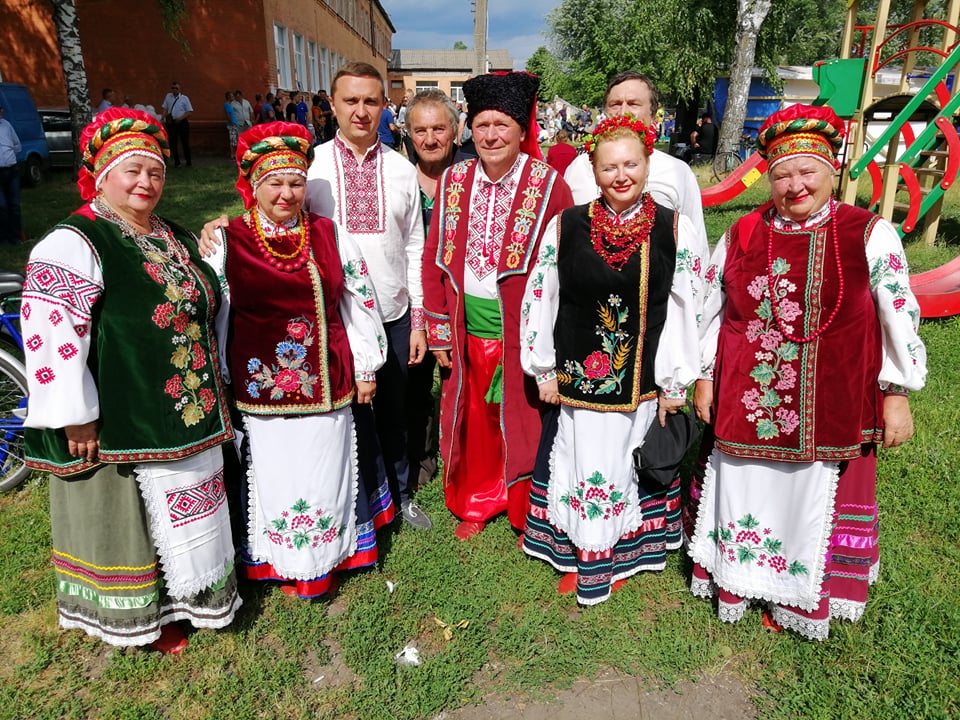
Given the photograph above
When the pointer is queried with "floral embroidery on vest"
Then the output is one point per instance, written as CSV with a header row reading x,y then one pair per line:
x,y
602,372
526,214
596,499
451,213
291,374
189,358
746,546
774,371
304,529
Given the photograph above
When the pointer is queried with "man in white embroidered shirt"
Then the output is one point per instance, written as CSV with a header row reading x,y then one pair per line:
x,y
372,193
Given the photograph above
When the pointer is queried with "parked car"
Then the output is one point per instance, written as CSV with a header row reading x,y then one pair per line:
x,y
56,128
20,111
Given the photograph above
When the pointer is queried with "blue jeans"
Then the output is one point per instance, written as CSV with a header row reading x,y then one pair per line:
x,y
10,227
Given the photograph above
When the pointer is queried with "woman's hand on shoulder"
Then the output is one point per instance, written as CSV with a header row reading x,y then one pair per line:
x,y
897,420
366,391
83,441
210,238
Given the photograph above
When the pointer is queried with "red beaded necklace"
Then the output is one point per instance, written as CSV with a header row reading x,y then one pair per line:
x,y
616,241
272,253
770,283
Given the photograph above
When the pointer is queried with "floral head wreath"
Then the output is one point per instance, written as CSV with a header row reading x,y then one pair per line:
x,y
268,149
112,136
647,135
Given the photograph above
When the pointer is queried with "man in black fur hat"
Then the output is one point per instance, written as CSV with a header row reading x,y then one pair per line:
x,y
484,236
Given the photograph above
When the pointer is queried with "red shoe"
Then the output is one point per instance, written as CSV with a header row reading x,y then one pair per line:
x,y
172,640
769,623
520,542
567,584
289,589
468,528
617,584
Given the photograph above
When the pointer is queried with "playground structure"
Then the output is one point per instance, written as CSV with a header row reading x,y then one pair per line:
x,y
914,157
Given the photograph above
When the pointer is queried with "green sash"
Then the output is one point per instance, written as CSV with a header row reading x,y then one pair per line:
x,y
482,316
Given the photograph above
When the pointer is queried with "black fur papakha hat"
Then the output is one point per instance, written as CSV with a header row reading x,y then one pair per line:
x,y
512,93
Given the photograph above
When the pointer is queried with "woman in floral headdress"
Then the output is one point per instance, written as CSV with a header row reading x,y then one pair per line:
x,y
610,333
126,406
810,340
304,339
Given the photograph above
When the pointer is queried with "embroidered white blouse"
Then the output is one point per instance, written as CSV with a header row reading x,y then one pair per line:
x,y
676,361
904,355
380,210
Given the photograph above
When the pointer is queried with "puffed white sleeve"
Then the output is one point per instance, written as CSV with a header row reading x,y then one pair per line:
x,y
358,309
64,282
714,300
538,311
677,361
904,354
218,261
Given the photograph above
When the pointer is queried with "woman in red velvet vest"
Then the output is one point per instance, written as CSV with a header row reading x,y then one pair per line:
x,y
610,333
303,340
808,345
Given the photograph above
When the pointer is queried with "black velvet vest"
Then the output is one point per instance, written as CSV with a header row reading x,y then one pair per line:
x,y
609,322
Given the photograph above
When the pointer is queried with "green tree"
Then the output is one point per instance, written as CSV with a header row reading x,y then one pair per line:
x,y
459,45
544,65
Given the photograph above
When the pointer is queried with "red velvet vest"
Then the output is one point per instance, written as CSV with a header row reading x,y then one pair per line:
x,y
287,349
778,399
609,321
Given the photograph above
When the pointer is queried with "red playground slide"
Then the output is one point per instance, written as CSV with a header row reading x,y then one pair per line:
x,y
938,290
739,180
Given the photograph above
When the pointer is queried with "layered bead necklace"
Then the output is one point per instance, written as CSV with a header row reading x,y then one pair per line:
x,y
770,283
285,249
616,241
173,251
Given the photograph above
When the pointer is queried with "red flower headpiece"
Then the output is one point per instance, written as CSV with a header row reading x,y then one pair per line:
x,y
646,135
115,134
809,130
277,147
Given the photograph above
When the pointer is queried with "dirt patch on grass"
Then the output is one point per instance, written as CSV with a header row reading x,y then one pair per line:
x,y
331,674
615,696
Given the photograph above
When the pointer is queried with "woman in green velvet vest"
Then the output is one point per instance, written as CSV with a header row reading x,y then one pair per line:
x,y
126,407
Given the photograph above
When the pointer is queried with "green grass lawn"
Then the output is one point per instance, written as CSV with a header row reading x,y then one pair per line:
x,y
285,658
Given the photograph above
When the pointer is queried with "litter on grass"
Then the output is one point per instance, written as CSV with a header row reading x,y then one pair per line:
x,y
408,656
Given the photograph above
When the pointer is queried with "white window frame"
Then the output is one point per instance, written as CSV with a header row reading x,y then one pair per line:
x,y
456,92
299,66
314,66
280,39
427,85
325,69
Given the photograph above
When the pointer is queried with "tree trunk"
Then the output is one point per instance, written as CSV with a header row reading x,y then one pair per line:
x,y
74,71
750,16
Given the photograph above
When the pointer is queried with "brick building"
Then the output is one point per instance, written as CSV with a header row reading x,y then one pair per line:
x,y
410,71
257,46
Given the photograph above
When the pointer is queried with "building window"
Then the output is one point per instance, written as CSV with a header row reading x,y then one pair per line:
x,y
396,84
298,62
456,92
427,85
325,69
283,56
314,84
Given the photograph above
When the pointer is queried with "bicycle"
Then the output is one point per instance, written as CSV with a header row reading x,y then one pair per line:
x,y
727,161
13,384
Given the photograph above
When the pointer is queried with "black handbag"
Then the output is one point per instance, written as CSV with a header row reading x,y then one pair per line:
x,y
663,448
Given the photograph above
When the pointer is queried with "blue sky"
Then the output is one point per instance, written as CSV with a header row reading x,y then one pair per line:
x,y
516,26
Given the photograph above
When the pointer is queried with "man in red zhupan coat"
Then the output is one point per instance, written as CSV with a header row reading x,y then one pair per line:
x,y
488,218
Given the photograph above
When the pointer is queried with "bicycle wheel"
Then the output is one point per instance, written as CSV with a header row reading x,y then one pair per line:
x,y
13,409
725,163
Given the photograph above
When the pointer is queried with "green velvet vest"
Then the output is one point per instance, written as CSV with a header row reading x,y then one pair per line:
x,y
153,356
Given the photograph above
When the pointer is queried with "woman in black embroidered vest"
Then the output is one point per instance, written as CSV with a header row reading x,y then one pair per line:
x,y
610,332
126,405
